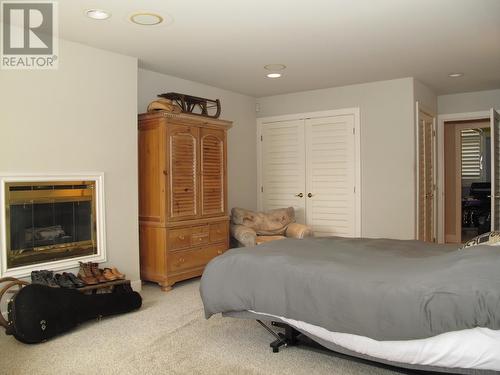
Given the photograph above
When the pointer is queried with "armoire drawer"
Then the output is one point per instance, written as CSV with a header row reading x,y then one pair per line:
x,y
199,235
179,238
193,258
218,232
183,238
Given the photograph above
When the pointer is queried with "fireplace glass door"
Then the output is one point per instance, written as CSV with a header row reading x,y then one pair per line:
x,y
49,221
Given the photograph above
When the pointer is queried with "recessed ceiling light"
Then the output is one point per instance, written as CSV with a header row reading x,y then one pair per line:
x,y
274,67
98,14
146,19
273,75
455,75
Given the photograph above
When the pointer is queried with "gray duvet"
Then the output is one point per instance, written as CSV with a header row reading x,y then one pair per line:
x,y
379,288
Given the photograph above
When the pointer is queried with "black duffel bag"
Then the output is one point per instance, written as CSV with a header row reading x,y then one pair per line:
x,y
37,313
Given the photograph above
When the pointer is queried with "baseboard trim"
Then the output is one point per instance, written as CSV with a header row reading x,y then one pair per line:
x,y
136,285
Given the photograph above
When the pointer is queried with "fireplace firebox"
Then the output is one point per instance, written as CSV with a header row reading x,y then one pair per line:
x,y
50,224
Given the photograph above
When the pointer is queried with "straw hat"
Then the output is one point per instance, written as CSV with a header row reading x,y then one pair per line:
x,y
163,105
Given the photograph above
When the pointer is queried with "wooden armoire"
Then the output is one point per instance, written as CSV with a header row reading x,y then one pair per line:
x,y
183,215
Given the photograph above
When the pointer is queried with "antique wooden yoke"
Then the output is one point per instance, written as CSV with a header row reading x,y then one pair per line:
x,y
195,105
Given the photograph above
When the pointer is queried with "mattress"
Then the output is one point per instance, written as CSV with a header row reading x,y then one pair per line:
x,y
379,288
407,303
476,348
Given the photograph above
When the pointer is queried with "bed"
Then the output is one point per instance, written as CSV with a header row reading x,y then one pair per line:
x,y
405,303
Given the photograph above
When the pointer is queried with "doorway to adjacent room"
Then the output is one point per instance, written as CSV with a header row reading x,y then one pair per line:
x,y
469,176
467,194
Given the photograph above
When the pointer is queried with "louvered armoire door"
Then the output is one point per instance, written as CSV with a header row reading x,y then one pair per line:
x,y
330,175
182,172
213,171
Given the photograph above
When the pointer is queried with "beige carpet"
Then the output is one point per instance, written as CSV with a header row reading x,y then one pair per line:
x,y
169,335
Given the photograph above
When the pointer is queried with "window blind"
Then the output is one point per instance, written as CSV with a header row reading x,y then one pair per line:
x,y
471,154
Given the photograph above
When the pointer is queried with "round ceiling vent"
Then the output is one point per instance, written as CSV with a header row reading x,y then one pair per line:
x,y
146,19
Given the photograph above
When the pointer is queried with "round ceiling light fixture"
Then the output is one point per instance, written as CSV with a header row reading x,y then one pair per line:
x,y
97,14
146,19
455,75
275,67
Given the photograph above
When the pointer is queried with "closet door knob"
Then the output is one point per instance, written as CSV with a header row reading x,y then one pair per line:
x,y
300,195
310,195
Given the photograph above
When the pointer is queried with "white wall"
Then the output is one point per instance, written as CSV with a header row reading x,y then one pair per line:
x,y
242,168
387,147
469,101
81,117
426,98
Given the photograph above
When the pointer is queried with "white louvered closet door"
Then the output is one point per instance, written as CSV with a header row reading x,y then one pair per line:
x,y
283,166
330,175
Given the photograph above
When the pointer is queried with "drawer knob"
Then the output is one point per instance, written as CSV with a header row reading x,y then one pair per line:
x,y
181,260
219,252
181,237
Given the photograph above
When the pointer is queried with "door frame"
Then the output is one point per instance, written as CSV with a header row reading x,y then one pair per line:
x,y
355,111
441,122
494,117
420,108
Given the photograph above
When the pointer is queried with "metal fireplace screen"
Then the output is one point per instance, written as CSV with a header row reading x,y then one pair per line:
x,y
49,221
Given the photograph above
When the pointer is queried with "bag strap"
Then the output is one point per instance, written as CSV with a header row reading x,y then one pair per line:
x,y
13,282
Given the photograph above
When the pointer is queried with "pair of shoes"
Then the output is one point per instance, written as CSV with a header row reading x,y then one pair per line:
x,y
86,275
97,272
91,274
109,275
118,273
75,280
68,280
112,274
37,278
44,277
63,281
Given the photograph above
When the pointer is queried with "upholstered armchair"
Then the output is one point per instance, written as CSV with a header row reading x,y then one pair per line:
x,y
250,228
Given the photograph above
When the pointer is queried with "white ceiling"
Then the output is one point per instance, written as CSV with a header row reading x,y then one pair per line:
x,y
324,43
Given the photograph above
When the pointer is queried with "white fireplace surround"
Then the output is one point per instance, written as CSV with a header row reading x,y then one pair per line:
x,y
64,264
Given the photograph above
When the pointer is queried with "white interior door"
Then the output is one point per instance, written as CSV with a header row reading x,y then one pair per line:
x,y
495,170
283,166
330,175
